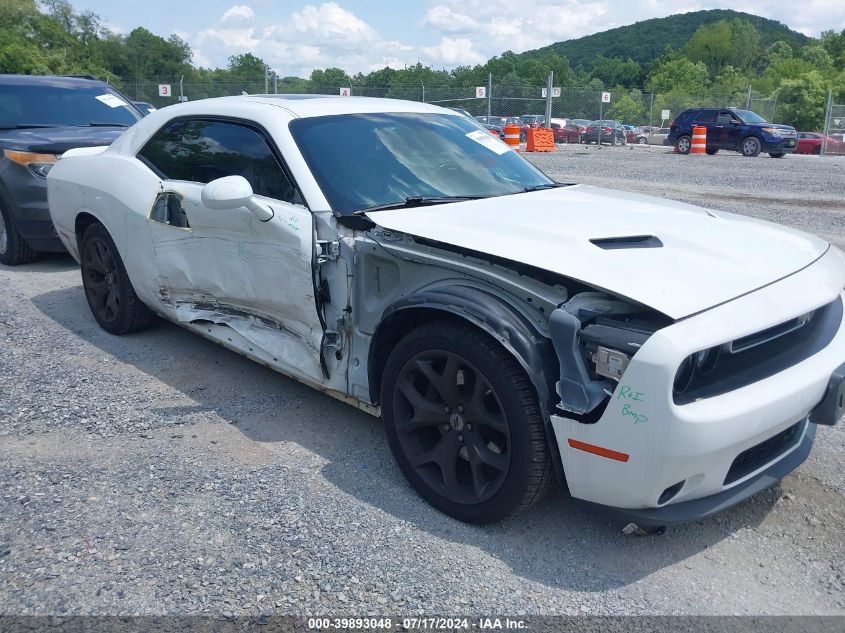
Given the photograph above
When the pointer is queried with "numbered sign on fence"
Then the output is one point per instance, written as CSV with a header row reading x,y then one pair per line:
x,y
164,90
481,92
605,97
555,92
345,92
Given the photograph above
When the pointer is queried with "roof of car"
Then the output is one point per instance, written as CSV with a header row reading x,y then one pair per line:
x,y
50,80
304,106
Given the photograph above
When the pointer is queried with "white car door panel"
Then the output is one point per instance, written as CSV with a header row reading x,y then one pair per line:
x,y
230,268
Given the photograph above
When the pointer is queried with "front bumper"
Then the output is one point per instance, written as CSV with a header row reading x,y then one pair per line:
x,y
776,144
691,450
26,198
697,509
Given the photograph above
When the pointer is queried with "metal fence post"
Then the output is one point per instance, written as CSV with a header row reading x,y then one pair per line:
x,y
827,113
549,82
423,90
489,95
748,98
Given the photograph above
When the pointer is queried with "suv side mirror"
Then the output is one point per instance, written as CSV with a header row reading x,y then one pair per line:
x,y
234,192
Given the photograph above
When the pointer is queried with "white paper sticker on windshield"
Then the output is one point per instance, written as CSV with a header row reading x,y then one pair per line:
x,y
111,101
489,141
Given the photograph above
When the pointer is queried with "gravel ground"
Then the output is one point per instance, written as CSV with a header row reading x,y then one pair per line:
x,y
160,474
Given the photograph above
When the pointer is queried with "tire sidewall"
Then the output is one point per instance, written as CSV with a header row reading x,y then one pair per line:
x,y
756,151
687,141
510,494
99,231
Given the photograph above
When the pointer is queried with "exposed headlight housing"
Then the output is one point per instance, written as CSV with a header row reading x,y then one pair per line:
x,y
610,363
39,165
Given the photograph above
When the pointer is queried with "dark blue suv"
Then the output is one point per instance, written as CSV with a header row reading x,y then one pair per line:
x,y
736,130
40,119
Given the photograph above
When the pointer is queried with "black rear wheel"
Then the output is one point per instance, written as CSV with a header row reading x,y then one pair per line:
x,y
711,151
109,292
683,144
463,423
777,154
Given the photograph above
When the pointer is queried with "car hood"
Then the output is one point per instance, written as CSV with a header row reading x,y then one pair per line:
x,y
57,140
703,258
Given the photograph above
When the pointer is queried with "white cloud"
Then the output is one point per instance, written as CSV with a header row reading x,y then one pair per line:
x,y
454,52
451,32
237,12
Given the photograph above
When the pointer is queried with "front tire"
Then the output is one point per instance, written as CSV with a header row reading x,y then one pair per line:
x,y
464,424
13,248
777,154
750,147
109,291
683,144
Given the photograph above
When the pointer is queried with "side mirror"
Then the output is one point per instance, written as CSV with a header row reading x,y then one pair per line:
x,y
234,192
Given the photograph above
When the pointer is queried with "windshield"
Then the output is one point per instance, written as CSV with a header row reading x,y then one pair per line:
x,y
54,106
363,160
749,117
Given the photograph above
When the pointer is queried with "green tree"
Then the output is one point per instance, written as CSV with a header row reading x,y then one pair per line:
x,y
626,109
712,45
801,101
679,74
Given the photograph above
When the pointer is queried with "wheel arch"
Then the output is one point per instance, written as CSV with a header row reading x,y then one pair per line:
x,y
487,312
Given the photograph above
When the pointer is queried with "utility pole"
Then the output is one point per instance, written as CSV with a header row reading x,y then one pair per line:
x,y
266,79
549,86
748,99
423,90
827,117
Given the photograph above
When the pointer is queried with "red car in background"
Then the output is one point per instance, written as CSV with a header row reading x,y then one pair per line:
x,y
811,143
565,131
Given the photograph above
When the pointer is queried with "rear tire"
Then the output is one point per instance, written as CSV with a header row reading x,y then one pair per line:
x,y
711,151
750,147
109,292
683,144
642,141
13,248
817,151
777,154
464,424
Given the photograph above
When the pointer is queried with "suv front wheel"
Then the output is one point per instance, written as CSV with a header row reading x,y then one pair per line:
x,y
750,146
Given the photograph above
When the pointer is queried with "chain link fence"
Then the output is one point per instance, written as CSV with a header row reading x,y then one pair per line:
x,y
833,137
503,98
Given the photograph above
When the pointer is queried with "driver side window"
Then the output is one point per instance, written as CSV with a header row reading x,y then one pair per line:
x,y
204,150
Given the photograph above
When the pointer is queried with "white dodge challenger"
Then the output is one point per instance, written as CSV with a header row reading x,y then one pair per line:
x,y
661,360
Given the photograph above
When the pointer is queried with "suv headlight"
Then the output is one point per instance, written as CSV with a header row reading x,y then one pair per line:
x,y
39,165
774,131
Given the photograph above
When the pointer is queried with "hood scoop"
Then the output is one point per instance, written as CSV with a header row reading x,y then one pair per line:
x,y
627,241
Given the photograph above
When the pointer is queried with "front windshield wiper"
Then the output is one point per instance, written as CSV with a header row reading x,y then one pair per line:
x,y
548,185
415,201
103,124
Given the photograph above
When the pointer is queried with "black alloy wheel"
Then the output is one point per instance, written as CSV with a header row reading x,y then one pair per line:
x,y
109,292
463,423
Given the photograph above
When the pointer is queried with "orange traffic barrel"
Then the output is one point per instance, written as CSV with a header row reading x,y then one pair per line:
x,y
699,140
512,136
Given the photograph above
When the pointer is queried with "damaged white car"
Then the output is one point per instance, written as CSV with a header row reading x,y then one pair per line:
x,y
661,360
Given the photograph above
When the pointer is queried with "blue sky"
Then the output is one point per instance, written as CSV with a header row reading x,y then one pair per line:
x,y
296,36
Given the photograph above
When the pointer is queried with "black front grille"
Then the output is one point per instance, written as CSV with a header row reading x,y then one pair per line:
x,y
761,454
758,358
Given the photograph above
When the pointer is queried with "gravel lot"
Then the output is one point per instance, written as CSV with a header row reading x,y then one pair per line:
x,y
160,474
